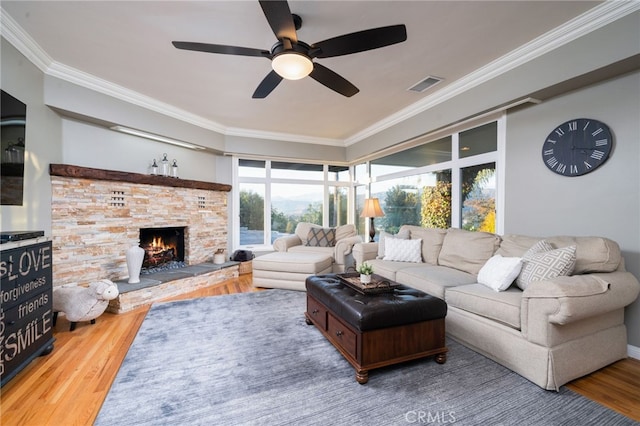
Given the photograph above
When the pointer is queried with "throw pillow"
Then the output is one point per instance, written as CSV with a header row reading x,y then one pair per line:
x,y
500,272
403,250
321,237
543,262
403,235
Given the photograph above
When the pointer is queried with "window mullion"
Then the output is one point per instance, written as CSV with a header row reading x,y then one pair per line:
x,y
267,204
456,193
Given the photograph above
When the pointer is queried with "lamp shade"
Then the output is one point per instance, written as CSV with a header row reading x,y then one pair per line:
x,y
292,65
372,208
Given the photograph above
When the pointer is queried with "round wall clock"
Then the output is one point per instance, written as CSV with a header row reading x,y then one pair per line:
x,y
577,147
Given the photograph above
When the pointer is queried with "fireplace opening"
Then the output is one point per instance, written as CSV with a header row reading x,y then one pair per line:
x,y
163,248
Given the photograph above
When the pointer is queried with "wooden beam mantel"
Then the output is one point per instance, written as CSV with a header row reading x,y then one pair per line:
x,y
65,170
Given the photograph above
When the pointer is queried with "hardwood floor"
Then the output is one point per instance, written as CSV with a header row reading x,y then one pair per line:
x,y
68,386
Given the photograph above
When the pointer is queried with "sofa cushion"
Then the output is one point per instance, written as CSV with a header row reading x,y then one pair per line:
x,y
432,279
345,231
467,251
403,235
543,262
399,250
291,262
321,237
478,299
302,231
432,239
593,254
388,269
328,251
500,272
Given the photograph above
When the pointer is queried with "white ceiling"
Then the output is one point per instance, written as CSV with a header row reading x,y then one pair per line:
x,y
126,47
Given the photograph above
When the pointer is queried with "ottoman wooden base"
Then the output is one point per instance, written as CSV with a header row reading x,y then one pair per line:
x,y
370,349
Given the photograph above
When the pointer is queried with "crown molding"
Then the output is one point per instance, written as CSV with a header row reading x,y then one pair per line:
x,y
601,15
89,81
14,34
27,46
593,19
286,137
22,41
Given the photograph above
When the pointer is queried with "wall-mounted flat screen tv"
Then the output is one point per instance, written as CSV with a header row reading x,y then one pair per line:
x,y
12,131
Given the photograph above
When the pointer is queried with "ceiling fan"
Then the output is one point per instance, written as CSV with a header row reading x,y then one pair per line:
x,y
292,59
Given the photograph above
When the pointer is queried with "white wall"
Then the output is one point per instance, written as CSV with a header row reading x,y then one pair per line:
x,y
90,145
605,202
22,80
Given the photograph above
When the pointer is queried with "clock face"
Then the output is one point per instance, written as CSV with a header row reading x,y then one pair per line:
x,y
577,147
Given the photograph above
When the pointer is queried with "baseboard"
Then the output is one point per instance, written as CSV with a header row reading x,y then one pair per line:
x,y
633,351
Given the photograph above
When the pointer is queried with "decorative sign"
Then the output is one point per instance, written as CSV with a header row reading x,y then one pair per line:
x,y
25,307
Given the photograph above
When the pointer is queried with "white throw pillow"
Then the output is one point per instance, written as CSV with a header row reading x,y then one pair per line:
x,y
543,262
404,235
403,250
500,272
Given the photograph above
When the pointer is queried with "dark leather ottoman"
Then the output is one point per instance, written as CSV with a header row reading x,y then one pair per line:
x,y
376,330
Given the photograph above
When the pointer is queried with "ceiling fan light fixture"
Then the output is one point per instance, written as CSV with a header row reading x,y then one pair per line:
x,y
292,65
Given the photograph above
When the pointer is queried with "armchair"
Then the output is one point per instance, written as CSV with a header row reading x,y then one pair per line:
x,y
341,252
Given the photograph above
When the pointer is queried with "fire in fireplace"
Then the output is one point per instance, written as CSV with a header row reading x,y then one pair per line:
x,y
162,246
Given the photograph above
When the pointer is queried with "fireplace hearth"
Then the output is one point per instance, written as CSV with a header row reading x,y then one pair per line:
x,y
163,247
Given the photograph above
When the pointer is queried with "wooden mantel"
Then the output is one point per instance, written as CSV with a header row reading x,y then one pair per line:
x,y
66,170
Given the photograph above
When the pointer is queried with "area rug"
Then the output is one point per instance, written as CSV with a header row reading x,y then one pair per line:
x,y
250,359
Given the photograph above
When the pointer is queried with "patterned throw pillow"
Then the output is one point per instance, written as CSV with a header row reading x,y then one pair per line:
x,y
321,237
543,262
403,250
404,234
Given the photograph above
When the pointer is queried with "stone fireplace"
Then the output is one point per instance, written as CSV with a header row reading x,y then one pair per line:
x,y
98,214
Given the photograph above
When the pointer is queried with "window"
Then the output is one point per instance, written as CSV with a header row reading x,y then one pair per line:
x,y
479,198
448,182
338,205
478,140
251,213
292,203
274,196
427,154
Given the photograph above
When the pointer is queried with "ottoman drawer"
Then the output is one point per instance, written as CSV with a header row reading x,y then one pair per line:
x,y
342,336
317,313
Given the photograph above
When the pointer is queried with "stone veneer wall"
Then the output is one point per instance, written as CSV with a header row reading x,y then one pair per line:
x,y
94,222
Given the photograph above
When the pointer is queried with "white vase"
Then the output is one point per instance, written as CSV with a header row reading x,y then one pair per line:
x,y
135,256
365,279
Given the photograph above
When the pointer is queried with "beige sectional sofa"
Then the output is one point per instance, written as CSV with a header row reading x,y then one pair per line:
x,y
554,331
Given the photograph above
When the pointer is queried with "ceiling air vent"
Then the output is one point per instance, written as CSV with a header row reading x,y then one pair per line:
x,y
423,85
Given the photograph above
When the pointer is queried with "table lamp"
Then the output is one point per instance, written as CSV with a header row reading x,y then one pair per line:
x,y
371,209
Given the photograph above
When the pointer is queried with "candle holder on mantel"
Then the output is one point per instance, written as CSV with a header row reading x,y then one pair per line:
x,y
174,169
154,168
164,165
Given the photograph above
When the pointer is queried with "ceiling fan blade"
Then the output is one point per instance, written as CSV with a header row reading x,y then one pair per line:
x,y
279,17
267,85
219,48
359,41
333,81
